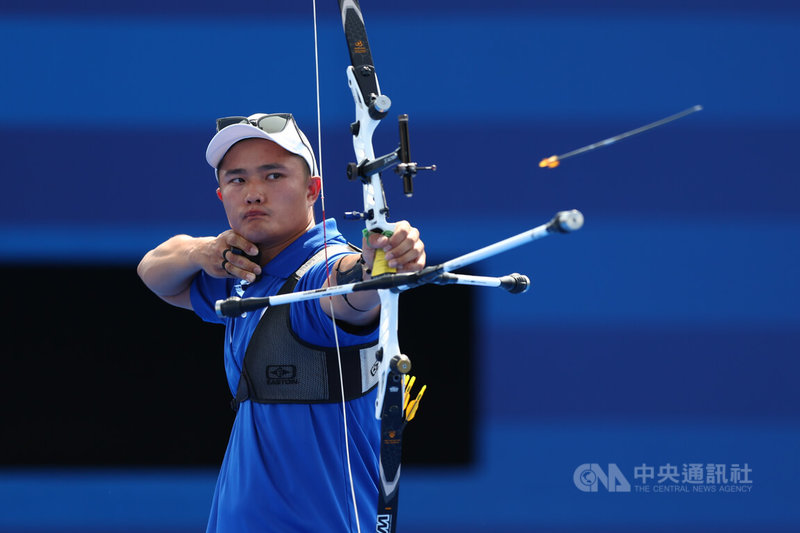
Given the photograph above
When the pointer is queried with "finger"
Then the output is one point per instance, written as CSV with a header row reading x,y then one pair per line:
x,y
377,241
220,269
230,261
403,235
402,231
244,262
367,251
405,246
214,258
247,271
231,239
411,261
416,265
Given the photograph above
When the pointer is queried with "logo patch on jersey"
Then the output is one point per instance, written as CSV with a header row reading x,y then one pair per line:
x,y
240,286
282,375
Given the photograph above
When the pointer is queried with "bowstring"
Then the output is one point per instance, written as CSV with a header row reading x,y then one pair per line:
x,y
327,270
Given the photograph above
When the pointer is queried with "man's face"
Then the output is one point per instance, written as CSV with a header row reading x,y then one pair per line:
x,y
266,192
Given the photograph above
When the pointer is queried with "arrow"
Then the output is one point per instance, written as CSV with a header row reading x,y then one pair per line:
x,y
554,160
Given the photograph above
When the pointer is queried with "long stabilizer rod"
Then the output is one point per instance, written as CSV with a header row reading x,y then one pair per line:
x,y
562,222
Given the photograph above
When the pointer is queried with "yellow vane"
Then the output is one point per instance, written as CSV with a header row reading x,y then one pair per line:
x,y
549,162
410,406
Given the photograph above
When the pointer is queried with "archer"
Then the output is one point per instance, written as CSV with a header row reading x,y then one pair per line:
x,y
284,467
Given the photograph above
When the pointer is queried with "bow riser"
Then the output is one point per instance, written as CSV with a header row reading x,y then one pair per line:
x,y
375,208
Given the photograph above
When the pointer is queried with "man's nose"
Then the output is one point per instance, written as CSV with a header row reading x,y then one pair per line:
x,y
254,195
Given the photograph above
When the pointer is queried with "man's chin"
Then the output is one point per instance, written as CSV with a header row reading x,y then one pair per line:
x,y
255,233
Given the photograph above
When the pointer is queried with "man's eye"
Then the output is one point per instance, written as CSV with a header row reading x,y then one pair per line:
x,y
274,175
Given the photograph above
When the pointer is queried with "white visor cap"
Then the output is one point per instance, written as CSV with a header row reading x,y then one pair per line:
x,y
289,137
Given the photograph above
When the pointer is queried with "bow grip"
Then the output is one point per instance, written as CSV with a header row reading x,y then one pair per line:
x,y
380,266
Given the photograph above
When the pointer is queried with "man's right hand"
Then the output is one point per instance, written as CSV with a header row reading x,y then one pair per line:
x,y
168,269
232,256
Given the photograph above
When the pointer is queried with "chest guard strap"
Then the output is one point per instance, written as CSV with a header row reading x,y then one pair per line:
x,y
279,367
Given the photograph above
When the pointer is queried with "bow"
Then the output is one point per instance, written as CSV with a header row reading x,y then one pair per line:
x,y
370,107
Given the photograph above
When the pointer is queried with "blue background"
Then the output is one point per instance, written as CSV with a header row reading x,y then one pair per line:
x,y
665,331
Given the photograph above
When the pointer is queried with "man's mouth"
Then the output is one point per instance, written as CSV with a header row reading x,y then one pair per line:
x,y
254,213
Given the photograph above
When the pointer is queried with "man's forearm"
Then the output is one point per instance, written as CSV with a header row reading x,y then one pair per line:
x,y
168,269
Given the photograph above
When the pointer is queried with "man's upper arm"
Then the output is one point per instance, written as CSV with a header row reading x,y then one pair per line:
x,y
203,294
183,299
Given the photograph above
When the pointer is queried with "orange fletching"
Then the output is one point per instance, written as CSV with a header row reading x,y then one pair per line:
x,y
550,162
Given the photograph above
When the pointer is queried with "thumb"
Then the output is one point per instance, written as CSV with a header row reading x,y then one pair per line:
x,y
368,252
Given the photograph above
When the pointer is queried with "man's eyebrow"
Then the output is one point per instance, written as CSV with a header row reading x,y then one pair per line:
x,y
242,171
272,166
234,171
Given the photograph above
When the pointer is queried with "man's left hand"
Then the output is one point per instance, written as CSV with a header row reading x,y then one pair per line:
x,y
404,249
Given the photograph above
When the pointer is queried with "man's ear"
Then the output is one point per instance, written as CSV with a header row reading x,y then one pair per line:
x,y
314,187
219,194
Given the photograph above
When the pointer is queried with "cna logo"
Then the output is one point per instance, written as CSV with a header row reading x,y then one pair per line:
x,y
589,476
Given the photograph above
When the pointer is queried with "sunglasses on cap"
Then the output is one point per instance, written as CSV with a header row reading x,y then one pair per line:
x,y
272,123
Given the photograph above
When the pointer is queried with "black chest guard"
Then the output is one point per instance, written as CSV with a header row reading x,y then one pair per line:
x,y
279,367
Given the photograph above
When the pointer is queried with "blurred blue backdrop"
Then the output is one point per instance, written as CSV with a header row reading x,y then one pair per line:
x,y
663,333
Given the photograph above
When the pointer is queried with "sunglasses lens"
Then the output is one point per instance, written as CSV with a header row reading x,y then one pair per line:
x,y
273,123
229,121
